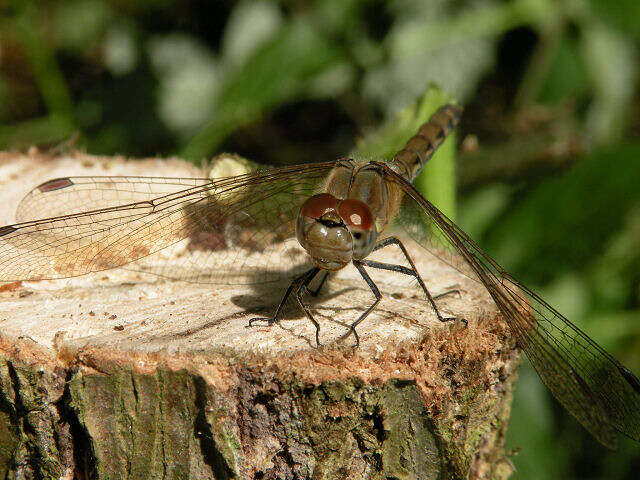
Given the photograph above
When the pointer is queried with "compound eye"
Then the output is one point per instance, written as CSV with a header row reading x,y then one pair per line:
x,y
316,206
356,215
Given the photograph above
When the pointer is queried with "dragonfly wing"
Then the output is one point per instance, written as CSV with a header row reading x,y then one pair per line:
x,y
63,196
601,393
236,224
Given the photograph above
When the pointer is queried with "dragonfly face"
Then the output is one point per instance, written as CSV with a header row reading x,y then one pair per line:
x,y
335,231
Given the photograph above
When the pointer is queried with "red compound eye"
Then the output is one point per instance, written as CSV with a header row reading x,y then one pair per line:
x,y
318,205
355,214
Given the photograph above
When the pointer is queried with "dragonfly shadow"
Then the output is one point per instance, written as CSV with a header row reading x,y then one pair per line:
x,y
193,331
265,298
260,299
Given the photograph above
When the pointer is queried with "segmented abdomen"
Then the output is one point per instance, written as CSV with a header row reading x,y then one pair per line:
x,y
421,147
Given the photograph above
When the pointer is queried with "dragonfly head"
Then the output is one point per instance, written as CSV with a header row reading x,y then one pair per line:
x,y
335,231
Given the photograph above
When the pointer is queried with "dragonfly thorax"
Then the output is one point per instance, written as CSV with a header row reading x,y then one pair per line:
x,y
335,231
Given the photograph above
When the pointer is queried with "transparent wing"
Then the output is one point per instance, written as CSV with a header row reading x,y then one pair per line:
x,y
601,393
235,230
63,196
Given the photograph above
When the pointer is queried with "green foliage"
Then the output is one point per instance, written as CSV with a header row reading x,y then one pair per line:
x,y
276,73
77,35
567,76
564,223
622,14
550,88
532,429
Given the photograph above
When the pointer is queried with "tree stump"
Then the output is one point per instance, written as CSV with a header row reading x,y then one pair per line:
x,y
120,375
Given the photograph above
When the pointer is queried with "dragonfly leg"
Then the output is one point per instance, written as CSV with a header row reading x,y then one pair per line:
x,y
376,293
296,283
408,271
315,292
300,289
453,291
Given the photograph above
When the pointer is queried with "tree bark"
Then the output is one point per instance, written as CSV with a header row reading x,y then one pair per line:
x,y
118,375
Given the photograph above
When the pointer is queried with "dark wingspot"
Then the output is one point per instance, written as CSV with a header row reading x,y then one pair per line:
x,y
56,184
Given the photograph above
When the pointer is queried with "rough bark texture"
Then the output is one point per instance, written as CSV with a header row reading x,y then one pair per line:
x,y
118,376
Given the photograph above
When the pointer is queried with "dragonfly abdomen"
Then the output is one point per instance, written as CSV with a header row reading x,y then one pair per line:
x,y
421,147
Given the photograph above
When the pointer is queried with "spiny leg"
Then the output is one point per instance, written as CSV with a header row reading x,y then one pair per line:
x,y
395,241
303,280
413,273
302,287
376,293
448,292
315,292
408,271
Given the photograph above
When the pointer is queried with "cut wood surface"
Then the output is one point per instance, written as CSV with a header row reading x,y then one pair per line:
x,y
122,374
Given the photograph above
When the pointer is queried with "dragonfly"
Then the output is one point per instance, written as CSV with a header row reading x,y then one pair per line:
x,y
328,215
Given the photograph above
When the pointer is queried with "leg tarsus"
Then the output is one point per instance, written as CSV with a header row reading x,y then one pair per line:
x,y
269,321
355,335
302,280
455,291
453,319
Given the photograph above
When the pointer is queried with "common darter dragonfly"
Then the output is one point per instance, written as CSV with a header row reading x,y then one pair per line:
x,y
338,212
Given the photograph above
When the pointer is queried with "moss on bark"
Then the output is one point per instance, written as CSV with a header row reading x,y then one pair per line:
x,y
176,423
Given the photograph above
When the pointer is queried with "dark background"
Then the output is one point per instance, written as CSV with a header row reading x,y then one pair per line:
x,y
548,171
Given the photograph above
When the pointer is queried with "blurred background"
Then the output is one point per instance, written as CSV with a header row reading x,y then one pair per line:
x,y
548,166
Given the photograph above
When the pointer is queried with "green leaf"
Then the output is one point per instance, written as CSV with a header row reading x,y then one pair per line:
x,y
613,68
449,43
278,72
565,223
44,130
189,80
531,428
249,26
42,61
623,14
567,76
78,24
